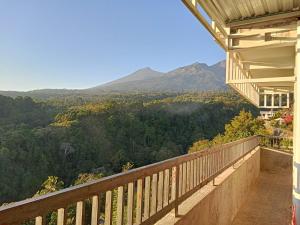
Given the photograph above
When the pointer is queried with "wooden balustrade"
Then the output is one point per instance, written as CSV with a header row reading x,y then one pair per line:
x,y
143,195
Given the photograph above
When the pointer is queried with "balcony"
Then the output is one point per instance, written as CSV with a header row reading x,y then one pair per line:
x,y
226,184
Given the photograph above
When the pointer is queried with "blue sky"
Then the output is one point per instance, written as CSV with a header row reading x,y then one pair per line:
x,y
84,43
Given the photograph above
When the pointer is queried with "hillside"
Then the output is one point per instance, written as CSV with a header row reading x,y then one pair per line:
x,y
191,78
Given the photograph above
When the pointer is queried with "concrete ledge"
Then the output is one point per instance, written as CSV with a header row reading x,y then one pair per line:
x,y
219,204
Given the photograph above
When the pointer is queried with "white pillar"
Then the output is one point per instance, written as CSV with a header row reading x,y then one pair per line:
x,y
280,100
265,100
296,132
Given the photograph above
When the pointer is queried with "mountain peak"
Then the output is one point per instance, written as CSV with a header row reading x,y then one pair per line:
x,y
145,69
198,64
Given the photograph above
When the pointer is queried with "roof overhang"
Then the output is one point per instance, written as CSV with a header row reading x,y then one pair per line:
x,y
259,37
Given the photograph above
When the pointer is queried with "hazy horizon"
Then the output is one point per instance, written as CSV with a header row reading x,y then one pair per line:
x,y
119,77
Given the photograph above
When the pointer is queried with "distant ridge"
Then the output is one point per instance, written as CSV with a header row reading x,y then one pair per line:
x,y
194,77
190,78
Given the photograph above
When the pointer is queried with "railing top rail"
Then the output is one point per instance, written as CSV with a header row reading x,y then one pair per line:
x,y
274,136
76,193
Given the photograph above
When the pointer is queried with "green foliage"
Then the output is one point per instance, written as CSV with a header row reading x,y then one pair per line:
x,y
52,184
241,126
38,140
199,145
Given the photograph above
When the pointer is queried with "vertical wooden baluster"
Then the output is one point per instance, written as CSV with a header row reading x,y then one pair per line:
x,y
213,163
180,175
217,161
147,197
203,168
120,205
130,204
195,172
108,208
191,174
188,176
139,201
80,210
207,166
153,194
40,220
220,159
160,190
223,158
61,216
166,187
183,188
173,185
200,169
95,210
178,171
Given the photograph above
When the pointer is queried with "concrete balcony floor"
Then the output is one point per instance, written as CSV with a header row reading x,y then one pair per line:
x,y
269,201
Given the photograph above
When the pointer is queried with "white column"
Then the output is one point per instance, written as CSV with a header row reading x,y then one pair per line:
x,y
280,100
296,132
265,100
272,101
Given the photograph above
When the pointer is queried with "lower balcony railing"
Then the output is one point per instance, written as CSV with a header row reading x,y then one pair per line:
x,y
277,142
139,196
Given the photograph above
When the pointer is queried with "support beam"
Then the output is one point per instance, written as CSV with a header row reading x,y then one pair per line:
x,y
296,132
263,80
192,7
263,45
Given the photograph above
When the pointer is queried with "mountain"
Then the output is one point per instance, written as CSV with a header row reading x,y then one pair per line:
x,y
140,75
190,78
194,77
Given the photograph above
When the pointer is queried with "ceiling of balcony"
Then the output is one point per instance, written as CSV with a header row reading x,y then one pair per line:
x,y
231,10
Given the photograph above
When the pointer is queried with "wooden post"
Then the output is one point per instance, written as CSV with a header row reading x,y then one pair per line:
x,y
130,204
153,195
166,187
147,197
95,210
108,208
61,216
139,201
177,191
160,190
40,220
80,210
120,205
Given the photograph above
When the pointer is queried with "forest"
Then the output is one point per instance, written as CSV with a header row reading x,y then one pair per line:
x,y
69,141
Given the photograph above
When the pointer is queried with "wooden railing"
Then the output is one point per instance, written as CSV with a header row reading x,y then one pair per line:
x,y
277,142
139,196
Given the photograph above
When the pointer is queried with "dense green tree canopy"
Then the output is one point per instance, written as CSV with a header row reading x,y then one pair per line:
x,y
55,139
